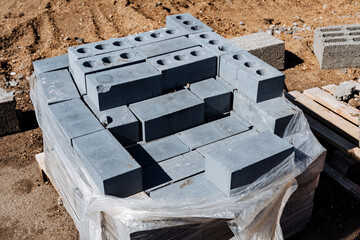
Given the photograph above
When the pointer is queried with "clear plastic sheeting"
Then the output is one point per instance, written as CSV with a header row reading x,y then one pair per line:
x,y
253,212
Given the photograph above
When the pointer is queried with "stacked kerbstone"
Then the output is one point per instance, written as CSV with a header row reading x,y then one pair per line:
x,y
178,112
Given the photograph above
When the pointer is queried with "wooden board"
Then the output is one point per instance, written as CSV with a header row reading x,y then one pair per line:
x,y
326,99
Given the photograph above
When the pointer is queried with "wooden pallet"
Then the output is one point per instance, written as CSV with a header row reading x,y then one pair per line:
x,y
336,125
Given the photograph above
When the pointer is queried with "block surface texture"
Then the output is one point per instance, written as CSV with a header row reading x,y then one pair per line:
x,y
120,121
251,76
125,85
217,98
113,169
242,162
264,46
168,114
187,22
185,66
338,46
8,120
51,64
57,86
156,35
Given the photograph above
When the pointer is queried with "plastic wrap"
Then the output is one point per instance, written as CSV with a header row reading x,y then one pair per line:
x,y
253,212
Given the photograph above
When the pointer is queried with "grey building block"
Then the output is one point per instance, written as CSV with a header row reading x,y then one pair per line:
x,y
242,162
156,151
211,132
226,84
185,66
114,171
251,76
168,114
156,35
74,119
83,67
125,85
196,187
216,97
172,170
120,121
264,46
338,46
57,86
9,122
187,22
96,48
51,64
166,46
272,115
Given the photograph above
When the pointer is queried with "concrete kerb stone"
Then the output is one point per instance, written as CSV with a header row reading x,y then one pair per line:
x,y
9,122
156,35
187,22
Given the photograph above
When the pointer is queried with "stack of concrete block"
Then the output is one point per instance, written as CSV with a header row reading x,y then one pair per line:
x,y
166,112
8,119
338,46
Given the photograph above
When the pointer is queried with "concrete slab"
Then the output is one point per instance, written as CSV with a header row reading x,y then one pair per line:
x,y
251,76
185,66
218,99
156,35
187,22
242,162
211,132
120,121
125,85
114,171
83,67
51,64
168,114
158,150
57,86
9,122
166,46
264,46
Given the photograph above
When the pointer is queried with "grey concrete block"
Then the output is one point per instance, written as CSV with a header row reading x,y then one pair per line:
x,y
242,162
8,120
168,114
97,48
273,115
83,67
264,46
74,119
185,66
158,150
211,132
216,97
51,64
114,171
125,85
57,86
156,35
251,76
166,46
187,22
172,170
338,46
120,121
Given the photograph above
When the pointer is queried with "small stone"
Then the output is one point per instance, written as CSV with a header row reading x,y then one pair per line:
x,y
241,23
80,40
344,71
59,201
297,37
19,77
13,83
295,24
66,38
277,31
308,28
12,74
345,91
270,32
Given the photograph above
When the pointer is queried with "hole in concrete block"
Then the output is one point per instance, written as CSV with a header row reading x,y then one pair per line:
x,y
355,33
126,55
107,60
336,40
204,36
156,35
333,34
261,72
238,57
353,28
196,28
171,31
331,29
83,50
89,64
163,62
101,46
118,43
224,48
250,64
197,53
180,17
188,22
181,57
214,42
140,38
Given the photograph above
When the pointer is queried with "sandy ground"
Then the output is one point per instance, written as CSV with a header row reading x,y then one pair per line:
x,y
34,29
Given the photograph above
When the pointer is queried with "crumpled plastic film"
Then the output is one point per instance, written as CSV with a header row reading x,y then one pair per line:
x,y
252,212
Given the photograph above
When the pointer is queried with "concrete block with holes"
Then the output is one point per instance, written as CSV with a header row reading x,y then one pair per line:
x,y
125,85
85,66
216,97
256,79
338,46
185,66
51,64
120,121
187,22
168,114
156,35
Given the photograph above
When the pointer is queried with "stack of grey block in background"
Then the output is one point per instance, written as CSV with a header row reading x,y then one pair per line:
x,y
178,112
9,122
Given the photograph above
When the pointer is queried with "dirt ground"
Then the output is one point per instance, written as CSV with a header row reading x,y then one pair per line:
x,y
35,29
